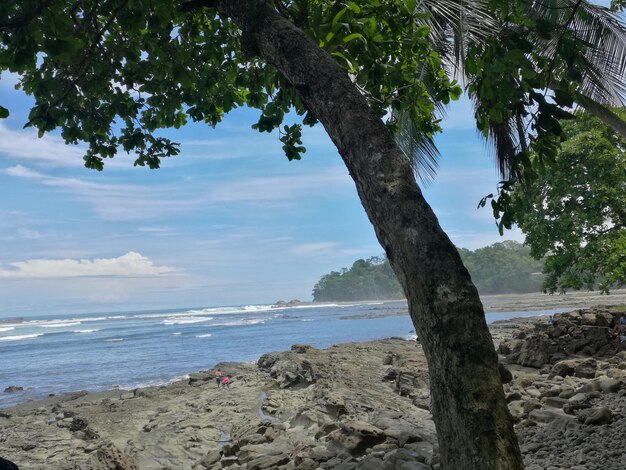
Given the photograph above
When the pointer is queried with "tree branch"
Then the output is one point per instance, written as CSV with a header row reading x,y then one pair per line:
x,y
26,18
197,5
603,113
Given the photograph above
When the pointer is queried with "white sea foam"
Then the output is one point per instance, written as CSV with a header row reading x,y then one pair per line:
x,y
8,328
85,331
177,333
203,336
58,325
202,315
230,310
153,383
243,322
20,337
185,320
114,340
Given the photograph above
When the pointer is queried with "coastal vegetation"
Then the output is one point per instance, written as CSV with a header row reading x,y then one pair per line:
x,y
502,268
114,73
574,211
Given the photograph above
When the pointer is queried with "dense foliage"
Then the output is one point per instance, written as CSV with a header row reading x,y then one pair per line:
x,y
574,212
112,73
367,279
504,267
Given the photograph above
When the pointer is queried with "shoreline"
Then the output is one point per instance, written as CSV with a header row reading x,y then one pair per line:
x,y
352,405
501,303
495,303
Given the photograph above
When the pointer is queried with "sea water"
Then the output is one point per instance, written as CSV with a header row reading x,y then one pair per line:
x,y
61,353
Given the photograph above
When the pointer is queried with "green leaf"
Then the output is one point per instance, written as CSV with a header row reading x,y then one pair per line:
x,y
338,17
352,37
4,112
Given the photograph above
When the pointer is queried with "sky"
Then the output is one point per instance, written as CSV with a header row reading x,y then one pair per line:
x,y
230,221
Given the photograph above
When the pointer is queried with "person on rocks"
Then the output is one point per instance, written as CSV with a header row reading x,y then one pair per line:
x,y
218,377
226,382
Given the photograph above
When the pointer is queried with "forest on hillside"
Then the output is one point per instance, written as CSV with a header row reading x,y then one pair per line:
x,y
501,268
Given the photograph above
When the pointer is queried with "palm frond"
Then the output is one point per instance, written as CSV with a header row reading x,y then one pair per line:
x,y
454,25
418,148
602,35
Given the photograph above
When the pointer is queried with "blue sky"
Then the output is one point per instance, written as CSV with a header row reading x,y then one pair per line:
x,y
229,221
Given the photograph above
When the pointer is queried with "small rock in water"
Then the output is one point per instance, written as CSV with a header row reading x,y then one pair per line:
x,y
13,389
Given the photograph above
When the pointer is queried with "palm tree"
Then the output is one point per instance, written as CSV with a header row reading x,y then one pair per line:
x,y
564,41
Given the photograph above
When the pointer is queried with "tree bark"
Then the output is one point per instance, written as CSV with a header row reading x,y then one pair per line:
x,y
602,112
474,426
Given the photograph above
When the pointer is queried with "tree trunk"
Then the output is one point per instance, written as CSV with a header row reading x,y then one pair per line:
x,y
474,426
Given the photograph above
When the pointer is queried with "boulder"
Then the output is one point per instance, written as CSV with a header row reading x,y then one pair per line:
x,y
402,459
301,348
516,408
579,398
586,333
289,369
211,458
547,415
555,402
400,430
563,368
13,389
267,461
370,463
531,404
586,369
505,374
200,377
357,436
534,351
267,360
608,384
110,457
598,416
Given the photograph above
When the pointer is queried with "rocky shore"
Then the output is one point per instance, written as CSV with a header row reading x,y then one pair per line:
x,y
351,406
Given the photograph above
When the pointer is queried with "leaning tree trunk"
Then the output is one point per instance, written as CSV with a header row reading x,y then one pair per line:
x,y
473,423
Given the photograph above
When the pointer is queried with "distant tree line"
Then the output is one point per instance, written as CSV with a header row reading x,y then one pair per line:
x,y
504,267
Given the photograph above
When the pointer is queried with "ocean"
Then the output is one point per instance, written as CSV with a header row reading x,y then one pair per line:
x,y
53,354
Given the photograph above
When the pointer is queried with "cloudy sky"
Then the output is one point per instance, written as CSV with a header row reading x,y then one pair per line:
x,y
230,221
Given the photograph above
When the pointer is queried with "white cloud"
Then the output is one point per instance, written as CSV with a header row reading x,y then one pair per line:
x,y
318,248
324,248
29,234
114,201
23,234
50,150
131,264
111,201
279,188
